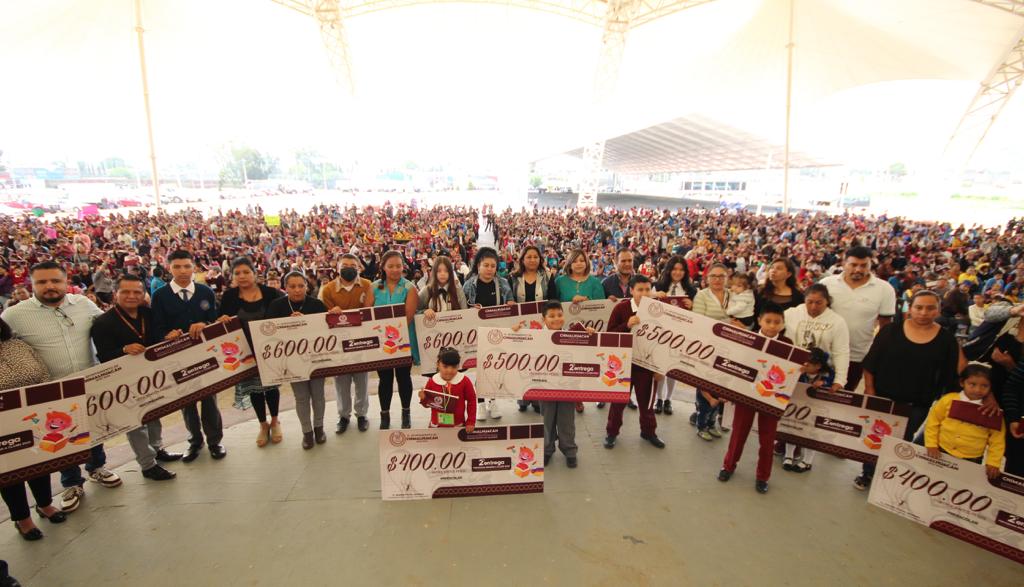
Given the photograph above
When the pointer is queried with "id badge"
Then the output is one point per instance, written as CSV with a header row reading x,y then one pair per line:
x,y
445,419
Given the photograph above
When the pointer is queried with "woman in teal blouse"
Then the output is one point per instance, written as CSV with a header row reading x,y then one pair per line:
x,y
577,284
392,288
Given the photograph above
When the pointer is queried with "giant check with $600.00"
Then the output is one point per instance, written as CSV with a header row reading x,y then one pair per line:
x,y
314,346
123,394
450,462
952,496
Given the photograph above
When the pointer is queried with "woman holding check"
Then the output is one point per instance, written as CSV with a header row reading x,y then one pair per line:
x,y
578,285
310,393
673,283
393,288
250,301
485,288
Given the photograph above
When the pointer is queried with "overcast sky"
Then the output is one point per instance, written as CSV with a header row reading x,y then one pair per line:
x,y
483,85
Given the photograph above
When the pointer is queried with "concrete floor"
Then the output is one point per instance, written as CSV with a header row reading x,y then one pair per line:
x,y
631,516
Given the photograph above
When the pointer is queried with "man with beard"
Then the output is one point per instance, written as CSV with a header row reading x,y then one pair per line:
x,y
862,300
127,329
56,325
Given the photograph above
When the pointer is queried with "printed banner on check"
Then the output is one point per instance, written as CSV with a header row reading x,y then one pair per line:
x,y
314,346
123,394
952,496
457,329
844,424
554,365
589,314
733,363
450,462
43,428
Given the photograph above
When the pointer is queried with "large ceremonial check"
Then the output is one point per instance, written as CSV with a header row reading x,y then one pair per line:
x,y
123,394
43,428
844,424
450,462
591,314
554,365
314,346
734,363
952,496
457,329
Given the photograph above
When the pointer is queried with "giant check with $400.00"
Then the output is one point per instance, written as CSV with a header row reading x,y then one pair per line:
x,y
314,346
123,394
952,496
554,365
733,363
451,462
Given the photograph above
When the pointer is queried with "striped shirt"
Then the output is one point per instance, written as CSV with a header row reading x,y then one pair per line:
x,y
60,336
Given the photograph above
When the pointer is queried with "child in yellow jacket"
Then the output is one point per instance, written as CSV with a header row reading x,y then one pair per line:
x,y
962,439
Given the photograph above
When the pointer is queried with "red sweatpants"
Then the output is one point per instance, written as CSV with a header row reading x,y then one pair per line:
x,y
741,424
643,386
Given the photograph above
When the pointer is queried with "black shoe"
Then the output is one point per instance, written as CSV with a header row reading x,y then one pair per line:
x,y
761,486
218,451
342,426
362,423
406,419
158,473
319,436
657,406
724,475
609,441
385,420
693,419
523,405
547,459
167,457
571,462
600,405
631,405
307,440
536,407
862,482
192,453
57,518
667,408
5,579
653,439
31,535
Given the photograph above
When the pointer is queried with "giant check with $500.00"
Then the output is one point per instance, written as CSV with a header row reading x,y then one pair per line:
x,y
952,496
450,462
554,365
123,394
314,346
733,363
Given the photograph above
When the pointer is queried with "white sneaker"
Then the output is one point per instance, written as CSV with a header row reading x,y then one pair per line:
x,y
481,411
71,498
493,410
105,477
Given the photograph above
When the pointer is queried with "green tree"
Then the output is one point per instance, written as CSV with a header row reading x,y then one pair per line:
x,y
536,181
2,166
256,165
897,170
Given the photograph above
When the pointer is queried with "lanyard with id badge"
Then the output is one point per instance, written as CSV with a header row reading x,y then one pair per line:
x,y
443,403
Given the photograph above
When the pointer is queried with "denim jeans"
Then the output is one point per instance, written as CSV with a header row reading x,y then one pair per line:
x,y
72,476
706,413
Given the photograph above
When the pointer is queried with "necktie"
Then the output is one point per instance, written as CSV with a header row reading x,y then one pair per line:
x,y
184,295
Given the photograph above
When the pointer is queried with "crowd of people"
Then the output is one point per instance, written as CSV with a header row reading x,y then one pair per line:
x,y
877,300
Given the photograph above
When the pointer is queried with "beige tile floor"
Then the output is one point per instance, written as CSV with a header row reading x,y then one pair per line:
x,y
631,516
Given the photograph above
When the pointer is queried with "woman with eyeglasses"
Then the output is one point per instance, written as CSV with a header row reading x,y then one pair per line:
x,y
712,302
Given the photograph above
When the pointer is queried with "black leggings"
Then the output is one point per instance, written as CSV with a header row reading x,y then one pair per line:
x,y
270,398
386,387
17,500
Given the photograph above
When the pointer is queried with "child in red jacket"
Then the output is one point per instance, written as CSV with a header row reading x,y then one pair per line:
x,y
449,394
